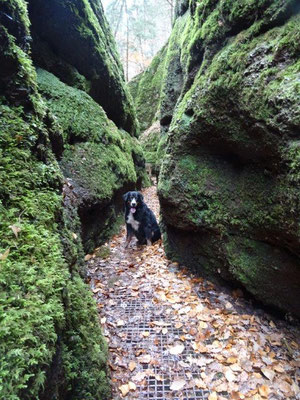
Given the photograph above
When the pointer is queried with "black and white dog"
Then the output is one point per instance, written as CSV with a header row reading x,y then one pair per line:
x,y
140,220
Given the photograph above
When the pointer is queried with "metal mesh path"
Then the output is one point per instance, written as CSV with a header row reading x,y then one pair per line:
x,y
174,336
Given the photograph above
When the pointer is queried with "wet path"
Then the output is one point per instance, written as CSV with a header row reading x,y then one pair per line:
x,y
174,336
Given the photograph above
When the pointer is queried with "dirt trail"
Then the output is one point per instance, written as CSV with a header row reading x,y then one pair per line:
x,y
174,336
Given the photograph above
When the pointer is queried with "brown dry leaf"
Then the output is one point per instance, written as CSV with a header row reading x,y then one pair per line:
x,y
16,230
124,389
200,383
231,360
178,384
268,373
178,325
145,359
4,255
264,391
175,350
96,290
199,347
213,396
132,366
88,257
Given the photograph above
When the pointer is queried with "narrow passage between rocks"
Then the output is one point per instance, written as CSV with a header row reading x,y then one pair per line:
x,y
172,335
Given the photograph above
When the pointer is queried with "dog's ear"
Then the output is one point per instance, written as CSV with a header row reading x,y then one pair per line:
x,y
125,196
140,197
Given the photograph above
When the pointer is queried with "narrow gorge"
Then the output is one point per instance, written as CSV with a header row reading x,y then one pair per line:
x,y
215,116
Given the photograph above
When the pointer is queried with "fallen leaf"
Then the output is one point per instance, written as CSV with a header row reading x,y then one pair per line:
x,y
4,255
146,334
264,391
124,389
230,375
88,257
103,320
175,350
200,383
268,373
164,331
16,230
178,384
213,396
145,359
132,386
120,322
139,376
132,366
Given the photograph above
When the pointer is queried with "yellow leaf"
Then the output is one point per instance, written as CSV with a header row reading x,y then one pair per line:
x,y
213,396
264,391
124,389
132,386
145,334
132,366
178,384
202,325
231,360
4,255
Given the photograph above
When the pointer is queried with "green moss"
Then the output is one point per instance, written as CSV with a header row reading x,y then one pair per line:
x,y
146,91
35,275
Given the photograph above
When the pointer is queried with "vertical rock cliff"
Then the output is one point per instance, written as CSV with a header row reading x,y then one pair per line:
x,y
69,124
229,184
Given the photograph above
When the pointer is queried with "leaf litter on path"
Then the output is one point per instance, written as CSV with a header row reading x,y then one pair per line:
x,y
172,335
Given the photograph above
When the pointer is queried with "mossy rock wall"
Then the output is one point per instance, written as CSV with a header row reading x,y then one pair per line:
x,y
229,186
72,39
60,158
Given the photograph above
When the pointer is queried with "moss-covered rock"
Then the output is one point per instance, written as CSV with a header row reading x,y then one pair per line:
x,y
229,185
77,32
59,157
146,91
99,160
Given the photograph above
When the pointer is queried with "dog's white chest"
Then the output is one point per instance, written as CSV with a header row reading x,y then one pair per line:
x,y
133,222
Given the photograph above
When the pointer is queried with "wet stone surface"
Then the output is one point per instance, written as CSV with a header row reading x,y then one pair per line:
x,y
172,335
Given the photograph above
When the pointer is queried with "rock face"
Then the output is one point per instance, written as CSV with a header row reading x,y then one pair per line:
x,y
229,185
72,40
55,134
146,92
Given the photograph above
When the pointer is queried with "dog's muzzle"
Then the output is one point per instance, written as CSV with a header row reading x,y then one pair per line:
x,y
133,205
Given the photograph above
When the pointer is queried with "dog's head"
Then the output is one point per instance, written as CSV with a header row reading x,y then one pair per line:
x,y
133,200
